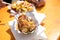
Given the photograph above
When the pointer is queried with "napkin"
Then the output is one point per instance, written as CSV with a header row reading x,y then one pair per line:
x,y
37,35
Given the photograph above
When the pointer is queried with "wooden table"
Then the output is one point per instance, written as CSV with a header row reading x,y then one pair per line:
x,y
52,21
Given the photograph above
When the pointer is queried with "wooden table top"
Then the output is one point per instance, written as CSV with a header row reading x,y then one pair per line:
x,y
52,21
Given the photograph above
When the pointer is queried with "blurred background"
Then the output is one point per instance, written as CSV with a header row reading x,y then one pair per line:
x,y
51,22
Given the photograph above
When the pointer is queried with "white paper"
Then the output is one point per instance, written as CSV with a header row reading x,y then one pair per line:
x,y
34,36
38,34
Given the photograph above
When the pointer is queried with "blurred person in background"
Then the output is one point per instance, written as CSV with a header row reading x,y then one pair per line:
x,y
2,4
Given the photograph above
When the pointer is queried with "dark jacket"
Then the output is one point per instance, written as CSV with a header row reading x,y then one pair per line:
x,y
8,1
